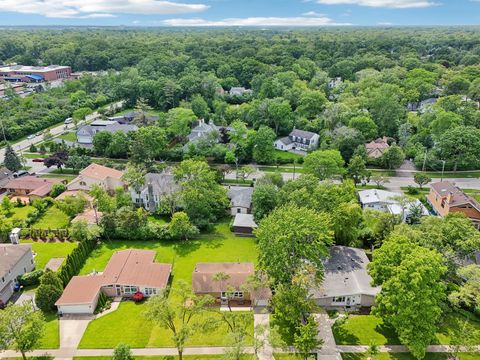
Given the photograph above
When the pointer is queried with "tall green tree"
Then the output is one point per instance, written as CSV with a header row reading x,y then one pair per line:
x,y
21,328
290,237
262,142
324,164
12,161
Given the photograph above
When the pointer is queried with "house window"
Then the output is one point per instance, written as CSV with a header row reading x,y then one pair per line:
x,y
3,279
339,299
150,291
130,289
239,211
83,183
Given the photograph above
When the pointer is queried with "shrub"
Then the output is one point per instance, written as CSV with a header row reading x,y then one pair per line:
x,y
411,190
46,296
103,303
31,278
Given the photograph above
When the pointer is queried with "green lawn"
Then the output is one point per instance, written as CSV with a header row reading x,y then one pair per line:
x,y
406,356
452,174
186,357
69,136
368,329
22,212
54,218
285,155
281,356
364,330
51,336
283,168
382,172
162,220
127,324
46,251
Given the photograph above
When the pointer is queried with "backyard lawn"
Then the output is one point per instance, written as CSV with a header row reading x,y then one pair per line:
x,y
69,136
54,218
21,212
368,329
285,155
46,251
127,324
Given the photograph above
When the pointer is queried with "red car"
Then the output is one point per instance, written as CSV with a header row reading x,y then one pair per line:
x,y
38,160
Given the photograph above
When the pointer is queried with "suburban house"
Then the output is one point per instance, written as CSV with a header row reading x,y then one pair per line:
x,y
420,105
240,199
298,140
347,284
76,194
231,288
86,133
244,224
29,188
155,188
128,117
15,260
446,198
240,91
386,201
202,131
95,174
333,83
127,272
376,148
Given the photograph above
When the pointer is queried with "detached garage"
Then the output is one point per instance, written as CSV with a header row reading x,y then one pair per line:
x,y
244,224
80,296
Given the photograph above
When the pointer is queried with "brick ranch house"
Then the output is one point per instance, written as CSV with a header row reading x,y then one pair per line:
x,y
127,272
232,288
446,198
31,187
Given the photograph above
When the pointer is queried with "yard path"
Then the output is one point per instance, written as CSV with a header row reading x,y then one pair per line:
x,y
263,319
328,350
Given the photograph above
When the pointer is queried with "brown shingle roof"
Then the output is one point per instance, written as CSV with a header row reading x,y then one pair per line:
x,y
126,267
202,277
458,197
33,184
100,172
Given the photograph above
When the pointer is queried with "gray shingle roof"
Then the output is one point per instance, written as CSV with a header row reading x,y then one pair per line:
x,y
162,184
10,255
346,274
286,140
303,134
240,196
244,220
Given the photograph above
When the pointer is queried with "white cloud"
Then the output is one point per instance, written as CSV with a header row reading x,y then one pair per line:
x,y
384,23
93,8
313,13
255,21
399,4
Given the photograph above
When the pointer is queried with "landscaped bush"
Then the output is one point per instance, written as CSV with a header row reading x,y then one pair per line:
x,y
75,260
103,304
31,278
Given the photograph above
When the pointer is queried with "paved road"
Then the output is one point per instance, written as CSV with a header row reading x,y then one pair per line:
x,y
394,184
58,130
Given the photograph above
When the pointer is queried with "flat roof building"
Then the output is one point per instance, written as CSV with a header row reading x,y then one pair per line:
x,y
38,73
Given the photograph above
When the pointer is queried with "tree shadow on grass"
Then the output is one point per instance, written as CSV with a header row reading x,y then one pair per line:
x,y
343,336
389,333
185,248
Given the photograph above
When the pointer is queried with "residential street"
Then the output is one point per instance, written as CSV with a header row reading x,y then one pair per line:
x,y
58,130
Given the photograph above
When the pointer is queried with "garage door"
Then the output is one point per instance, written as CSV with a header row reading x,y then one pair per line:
x,y
76,309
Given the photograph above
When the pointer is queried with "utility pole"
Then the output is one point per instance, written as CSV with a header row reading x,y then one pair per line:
x,y
443,169
424,160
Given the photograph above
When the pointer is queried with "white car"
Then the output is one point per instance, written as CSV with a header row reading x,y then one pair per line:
x,y
30,137
68,121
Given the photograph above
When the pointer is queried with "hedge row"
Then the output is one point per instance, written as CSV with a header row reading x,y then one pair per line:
x,y
31,278
75,260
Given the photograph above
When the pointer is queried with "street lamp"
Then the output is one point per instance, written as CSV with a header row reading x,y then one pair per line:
x,y
443,169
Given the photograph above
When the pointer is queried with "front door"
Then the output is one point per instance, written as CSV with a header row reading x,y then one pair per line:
x,y
119,290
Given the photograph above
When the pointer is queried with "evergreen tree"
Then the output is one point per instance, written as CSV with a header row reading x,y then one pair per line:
x,y
12,161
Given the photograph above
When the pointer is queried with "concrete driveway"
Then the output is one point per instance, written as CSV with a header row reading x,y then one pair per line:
x,y
71,331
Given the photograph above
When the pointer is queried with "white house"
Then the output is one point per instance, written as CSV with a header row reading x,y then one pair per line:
x,y
347,284
239,91
240,199
86,133
95,174
386,201
298,140
15,260
155,188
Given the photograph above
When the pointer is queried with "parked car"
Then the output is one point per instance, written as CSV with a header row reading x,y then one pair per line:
x,y
20,173
30,137
38,160
38,134
68,120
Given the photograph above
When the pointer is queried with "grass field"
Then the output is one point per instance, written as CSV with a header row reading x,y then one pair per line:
x,y
406,356
127,324
368,329
285,155
22,212
54,218
51,336
68,136
167,357
280,356
46,251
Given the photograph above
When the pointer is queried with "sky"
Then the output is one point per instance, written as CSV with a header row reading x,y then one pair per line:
x,y
262,13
